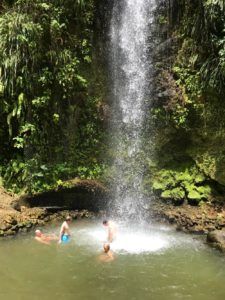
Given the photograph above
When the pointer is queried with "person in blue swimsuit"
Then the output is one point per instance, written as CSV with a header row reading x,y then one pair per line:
x,y
64,235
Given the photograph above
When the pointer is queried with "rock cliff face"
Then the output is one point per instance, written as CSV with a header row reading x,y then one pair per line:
x,y
188,108
73,194
78,198
6,200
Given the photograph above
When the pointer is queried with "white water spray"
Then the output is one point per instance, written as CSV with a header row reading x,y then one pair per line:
x,y
131,29
133,239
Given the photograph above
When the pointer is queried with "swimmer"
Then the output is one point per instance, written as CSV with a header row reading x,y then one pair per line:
x,y
64,235
112,230
107,255
44,238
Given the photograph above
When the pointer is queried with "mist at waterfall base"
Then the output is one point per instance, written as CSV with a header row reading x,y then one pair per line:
x,y
158,263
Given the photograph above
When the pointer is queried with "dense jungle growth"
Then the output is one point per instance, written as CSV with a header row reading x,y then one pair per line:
x,y
189,107
50,125
52,99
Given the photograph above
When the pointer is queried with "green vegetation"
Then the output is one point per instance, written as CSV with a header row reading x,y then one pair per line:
x,y
50,125
189,112
200,62
183,182
51,99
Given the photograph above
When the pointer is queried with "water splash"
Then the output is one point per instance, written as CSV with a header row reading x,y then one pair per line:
x,y
131,29
133,239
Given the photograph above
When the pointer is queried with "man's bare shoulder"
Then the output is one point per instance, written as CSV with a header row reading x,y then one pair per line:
x,y
105,258
64,224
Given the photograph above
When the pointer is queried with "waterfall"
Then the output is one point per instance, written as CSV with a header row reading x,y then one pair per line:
x,y
131,33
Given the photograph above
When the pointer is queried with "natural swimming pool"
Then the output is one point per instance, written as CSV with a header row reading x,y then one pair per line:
x,y
151,262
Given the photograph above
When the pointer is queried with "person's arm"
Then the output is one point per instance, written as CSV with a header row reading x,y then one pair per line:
x,y
61,233
52,237
42,241
111,234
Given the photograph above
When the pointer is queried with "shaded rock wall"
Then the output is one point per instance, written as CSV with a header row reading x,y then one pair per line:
x,y
85,194
79,198
187,113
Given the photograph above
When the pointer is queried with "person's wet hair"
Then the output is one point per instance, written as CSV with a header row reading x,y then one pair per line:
x,y
68,218
105,222
106,248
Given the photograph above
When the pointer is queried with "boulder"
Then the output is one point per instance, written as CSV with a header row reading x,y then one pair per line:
x,y
216,238
73,194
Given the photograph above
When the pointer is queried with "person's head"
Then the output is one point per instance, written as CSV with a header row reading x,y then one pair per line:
x,y
106,247
68,219
38,233
105,222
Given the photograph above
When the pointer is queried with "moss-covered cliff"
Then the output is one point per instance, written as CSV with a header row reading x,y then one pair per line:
x,y
189,106
55,96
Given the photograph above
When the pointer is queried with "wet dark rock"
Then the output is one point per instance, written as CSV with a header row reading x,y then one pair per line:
x,y
13,221
74,194
29,218
198,230
78,198
21,225
23,230
15,228
206,220
210,228
196,219
28,225
9,232
216,238
40,222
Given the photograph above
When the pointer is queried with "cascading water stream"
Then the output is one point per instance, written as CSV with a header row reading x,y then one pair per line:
x,y
131,30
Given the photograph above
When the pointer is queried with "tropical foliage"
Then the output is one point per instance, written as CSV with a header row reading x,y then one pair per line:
x,y
49,120
202,30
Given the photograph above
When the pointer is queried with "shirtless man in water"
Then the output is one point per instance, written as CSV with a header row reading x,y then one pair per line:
x,y
64,235
112,230
44,238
